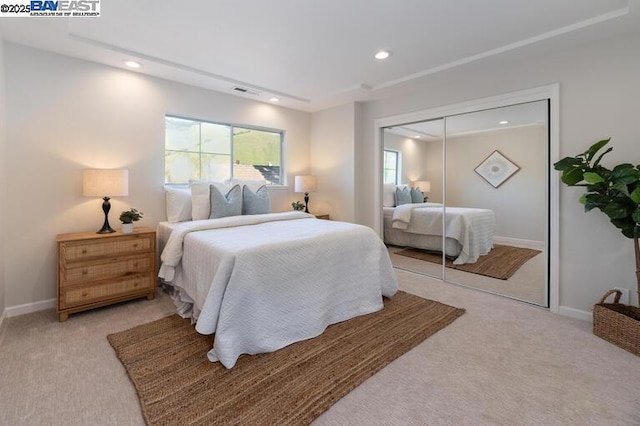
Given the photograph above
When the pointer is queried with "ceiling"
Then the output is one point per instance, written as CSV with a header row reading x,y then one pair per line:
x,y
519,115
316,54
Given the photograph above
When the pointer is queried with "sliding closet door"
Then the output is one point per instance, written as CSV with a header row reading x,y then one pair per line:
x,y
497,181
413,231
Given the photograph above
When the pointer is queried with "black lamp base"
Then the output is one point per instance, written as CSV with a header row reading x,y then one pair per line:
x,y
106,228
306,202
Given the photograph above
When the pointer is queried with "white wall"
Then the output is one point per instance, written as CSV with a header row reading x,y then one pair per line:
x,y
599,97
333,133
3,182
414,156
521,199
64,115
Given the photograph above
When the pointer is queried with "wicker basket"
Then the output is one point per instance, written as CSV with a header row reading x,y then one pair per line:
x,y
617,323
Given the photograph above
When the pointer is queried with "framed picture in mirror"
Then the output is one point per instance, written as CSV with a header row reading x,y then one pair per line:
x,y
496,169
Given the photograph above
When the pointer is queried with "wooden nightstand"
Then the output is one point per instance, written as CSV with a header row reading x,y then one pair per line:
x,y
322,216
101,269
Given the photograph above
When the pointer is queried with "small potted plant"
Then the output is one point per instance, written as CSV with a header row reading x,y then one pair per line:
x,y
297,206
127,218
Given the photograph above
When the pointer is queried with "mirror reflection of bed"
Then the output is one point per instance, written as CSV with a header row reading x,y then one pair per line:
x,y
494,213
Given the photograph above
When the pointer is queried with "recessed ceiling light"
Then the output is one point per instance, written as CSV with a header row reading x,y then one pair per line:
x,y
274,99
417,136
383,54
133,64
504,122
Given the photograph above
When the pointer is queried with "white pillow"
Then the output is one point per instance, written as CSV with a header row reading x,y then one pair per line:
x,y
178,203
200,198
389,195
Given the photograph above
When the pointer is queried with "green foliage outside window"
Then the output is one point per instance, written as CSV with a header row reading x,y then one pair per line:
x,y
211,151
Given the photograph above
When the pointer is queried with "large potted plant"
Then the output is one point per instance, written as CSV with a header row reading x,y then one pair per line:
x,y
616,193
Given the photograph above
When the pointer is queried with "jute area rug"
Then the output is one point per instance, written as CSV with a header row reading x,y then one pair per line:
x,y
501,262
176,383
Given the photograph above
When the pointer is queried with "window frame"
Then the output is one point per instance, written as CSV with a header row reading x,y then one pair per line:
x,y
281,132
397,168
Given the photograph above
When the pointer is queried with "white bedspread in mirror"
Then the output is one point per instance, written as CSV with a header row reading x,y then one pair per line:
x,y
469,231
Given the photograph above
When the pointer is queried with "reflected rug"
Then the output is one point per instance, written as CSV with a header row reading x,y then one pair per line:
x,y
501,262
167,362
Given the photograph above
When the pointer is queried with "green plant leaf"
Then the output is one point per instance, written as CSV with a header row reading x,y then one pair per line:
x,y
567,162
592,178
621,188
596,200
636,216
635,195
572,176
597,162
593,149
583,199
626,226
616,210
625,174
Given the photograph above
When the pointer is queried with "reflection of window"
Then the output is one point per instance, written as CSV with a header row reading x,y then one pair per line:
x,y
210,151
391,166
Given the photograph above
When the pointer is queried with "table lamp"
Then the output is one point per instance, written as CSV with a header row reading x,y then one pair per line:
x,y
105,183
306,184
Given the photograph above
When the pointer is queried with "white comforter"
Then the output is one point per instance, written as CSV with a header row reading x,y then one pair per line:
x,y
473,228
263,282
402,214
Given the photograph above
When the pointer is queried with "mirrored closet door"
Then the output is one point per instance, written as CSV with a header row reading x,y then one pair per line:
x,y
413,164
486,175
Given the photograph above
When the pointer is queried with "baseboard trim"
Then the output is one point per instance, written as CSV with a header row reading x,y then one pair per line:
x,y
28,308
517,242
576,313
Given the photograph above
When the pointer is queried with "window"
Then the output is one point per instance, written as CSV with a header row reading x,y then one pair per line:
x,y
391,166
210,151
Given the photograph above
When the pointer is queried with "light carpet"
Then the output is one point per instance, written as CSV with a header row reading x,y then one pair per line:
x,y
502,363
166,360
501,262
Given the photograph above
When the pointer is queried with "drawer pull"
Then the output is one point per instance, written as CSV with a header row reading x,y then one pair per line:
x,y
85,272
135,245
135,264
135,284
85,294
84,251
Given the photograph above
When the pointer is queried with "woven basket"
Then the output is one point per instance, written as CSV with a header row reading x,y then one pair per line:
x,y
617,323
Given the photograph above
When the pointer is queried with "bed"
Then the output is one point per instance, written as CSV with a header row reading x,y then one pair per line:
x,y
261,282
469,231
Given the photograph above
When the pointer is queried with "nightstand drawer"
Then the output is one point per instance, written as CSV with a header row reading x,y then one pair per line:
x,y
114,268
81,250
97,270
86,294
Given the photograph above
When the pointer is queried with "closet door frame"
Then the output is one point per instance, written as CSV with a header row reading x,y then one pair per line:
x,y
550,92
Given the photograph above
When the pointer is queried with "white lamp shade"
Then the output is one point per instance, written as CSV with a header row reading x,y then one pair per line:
x,y
105,182
424,185
307,183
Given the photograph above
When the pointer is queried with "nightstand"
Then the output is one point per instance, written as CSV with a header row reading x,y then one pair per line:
x,y
101,269
322,216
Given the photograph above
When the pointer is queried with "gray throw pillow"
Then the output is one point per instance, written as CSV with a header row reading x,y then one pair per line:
x,y
416,195
225,205
257,202
403,196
